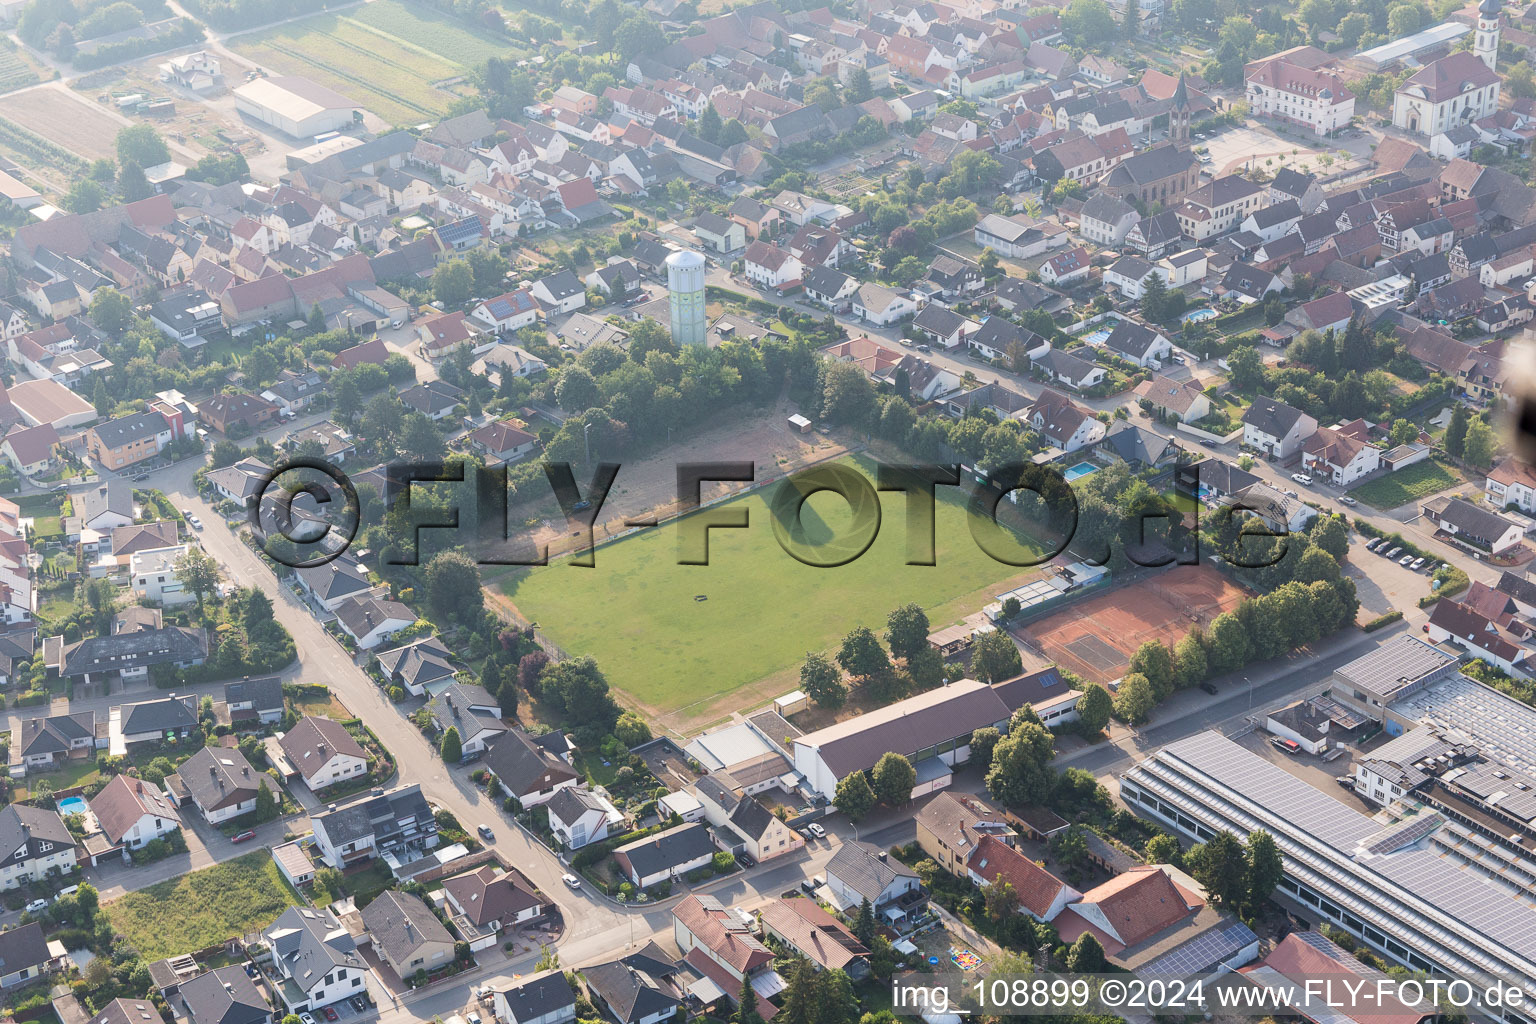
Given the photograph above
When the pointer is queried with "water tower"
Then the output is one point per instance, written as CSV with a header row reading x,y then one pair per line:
x,y
685,283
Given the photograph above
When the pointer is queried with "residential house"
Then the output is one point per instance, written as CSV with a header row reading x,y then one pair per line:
x,y
31,451
666,855
527,769
801,925
1219,207
407,936
472,711
1041,894
768,266
315,958
220,783
742,822
49,742
255,700
881,306
1513,483
398,823
1473,526
1341,455
1066,269
39,846
132,812
489,900
224,995
715,941
1063,422
371,621
859,871
502,442
24,954
322,752
1106,219
1067,369
579,816
1139,344
418,666
951,825
1276,429
561,291
508,312
544,997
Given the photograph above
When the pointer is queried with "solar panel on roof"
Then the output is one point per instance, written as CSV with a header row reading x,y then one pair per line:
x,y
1405,833
1204,951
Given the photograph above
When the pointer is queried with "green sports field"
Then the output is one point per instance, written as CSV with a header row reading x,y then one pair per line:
x,y
688,643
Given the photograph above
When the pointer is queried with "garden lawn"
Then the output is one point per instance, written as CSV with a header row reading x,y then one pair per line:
x,y
672,637
1417,481
203,908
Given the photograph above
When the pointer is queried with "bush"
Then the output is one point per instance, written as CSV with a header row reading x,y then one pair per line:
x,y
723,863
1380,621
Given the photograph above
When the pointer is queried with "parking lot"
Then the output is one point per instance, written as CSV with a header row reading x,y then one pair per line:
x,y
1382,584
1310,768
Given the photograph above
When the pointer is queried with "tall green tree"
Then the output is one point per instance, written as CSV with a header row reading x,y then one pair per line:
x,y
1265,867
141,144
864,923
995,657
1221,865
894,779
1134,700
1153,660
861,654
907,630
822,682
1456,432
1480,445
853,796
1021,772
452,747
1094,708
199,573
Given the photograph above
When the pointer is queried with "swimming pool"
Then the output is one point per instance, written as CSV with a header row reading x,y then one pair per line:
x,y
1096,337
1082,469
1194,316
73,805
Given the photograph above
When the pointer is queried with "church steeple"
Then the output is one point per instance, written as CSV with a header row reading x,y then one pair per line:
x,y
1178,114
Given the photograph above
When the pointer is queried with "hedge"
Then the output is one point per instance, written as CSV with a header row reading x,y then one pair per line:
x,y
1380,621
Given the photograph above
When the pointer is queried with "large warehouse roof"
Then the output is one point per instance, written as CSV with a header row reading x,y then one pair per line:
x,y
295,98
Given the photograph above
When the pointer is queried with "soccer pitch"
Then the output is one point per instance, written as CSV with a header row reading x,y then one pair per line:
x,y
689,643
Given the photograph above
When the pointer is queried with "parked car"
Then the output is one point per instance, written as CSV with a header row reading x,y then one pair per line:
x,y
1345,499
1209,688
395,324
571,880
68,890
485,832
37,906
1406,560
1373,544
1289,746
359,1004
815,830
194,522
140,478
1418,563
1395,552
745,860
330,1013
240,837
1301,478
1347,781
307,1018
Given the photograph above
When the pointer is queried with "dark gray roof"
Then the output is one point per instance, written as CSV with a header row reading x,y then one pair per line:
x,y
54,734
1518,587
1153,165
537,995
523,766
1135,444
629,992
139,648
859,867
1131,339
1063,364
666,850
419,662
401,924
20,822
1272,417
571,803
128,429
824,280
383,815
115,495
310,943
225,995
162,715
217,777
22,947
264,694
938,319
1474,520
460,702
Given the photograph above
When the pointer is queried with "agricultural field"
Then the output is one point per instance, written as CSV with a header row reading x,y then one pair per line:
x,y
16,71
688,643
202,908
1419,480
399,61
64,120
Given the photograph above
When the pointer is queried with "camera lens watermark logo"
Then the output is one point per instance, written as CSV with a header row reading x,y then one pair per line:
x,y
305,513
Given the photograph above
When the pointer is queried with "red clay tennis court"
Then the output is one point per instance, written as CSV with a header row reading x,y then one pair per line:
x,y
1096,639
